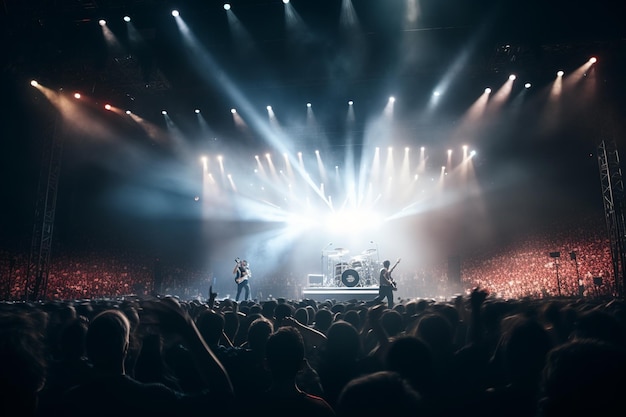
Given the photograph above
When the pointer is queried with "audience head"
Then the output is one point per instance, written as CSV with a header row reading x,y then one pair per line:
x,y
382,393
343,341
584,377
72,338
393,322
258,333
107,340
411,358
285,353
281,311
323,319
302,316
211,326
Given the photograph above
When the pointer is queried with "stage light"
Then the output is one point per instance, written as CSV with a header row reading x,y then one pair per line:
x,y
175,13
487,90
226,6
107,106
593,60
128,112
76,95
350,103
126,19
269,108
196,198
392,99
34,83
560,74
102,22
512,77
436,94
449,152
233,111
163,112
197,111
285,1
472,153
527,85
308,104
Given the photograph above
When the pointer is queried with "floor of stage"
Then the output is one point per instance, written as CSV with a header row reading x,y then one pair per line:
x,y
340,293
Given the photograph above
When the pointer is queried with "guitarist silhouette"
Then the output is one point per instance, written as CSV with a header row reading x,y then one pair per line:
x,y
242,275
387,284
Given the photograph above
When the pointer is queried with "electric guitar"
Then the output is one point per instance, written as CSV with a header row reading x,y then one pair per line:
x,y
241,276
393,283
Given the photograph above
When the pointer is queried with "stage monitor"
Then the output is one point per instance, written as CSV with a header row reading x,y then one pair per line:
x,y
315,280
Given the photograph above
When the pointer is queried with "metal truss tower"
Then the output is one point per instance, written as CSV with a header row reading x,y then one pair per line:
x,y
45,207
614,208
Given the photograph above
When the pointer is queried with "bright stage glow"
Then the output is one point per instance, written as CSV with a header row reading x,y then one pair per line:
x,y
226,6
233,111
350,103
512,77
350,220
107,106
163,112
308,105
197,111
436,94
392,99
76,95
487,90
34,83
102,22
593,60
175,13
126,19
128,112
527,85
269,108
560,73
285,1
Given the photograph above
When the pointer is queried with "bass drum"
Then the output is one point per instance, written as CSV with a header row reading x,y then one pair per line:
x,y
350,278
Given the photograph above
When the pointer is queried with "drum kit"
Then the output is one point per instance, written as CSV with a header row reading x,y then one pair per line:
x,y
356,271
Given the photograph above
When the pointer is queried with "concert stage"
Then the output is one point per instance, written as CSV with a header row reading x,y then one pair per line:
x,y
340,293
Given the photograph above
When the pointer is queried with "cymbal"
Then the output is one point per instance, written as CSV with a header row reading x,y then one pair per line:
x,y
369,251
338,252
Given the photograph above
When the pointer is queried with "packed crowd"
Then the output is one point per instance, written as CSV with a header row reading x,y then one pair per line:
x,y
474,355
522,269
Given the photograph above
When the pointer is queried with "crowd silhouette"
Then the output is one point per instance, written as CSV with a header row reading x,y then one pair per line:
x,y
473,355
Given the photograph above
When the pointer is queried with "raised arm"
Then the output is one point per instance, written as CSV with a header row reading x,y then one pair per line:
x,y
173,318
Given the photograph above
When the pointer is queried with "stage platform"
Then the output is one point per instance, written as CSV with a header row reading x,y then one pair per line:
x,y
340,293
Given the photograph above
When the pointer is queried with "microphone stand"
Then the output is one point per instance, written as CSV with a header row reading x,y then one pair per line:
x,y
377,251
